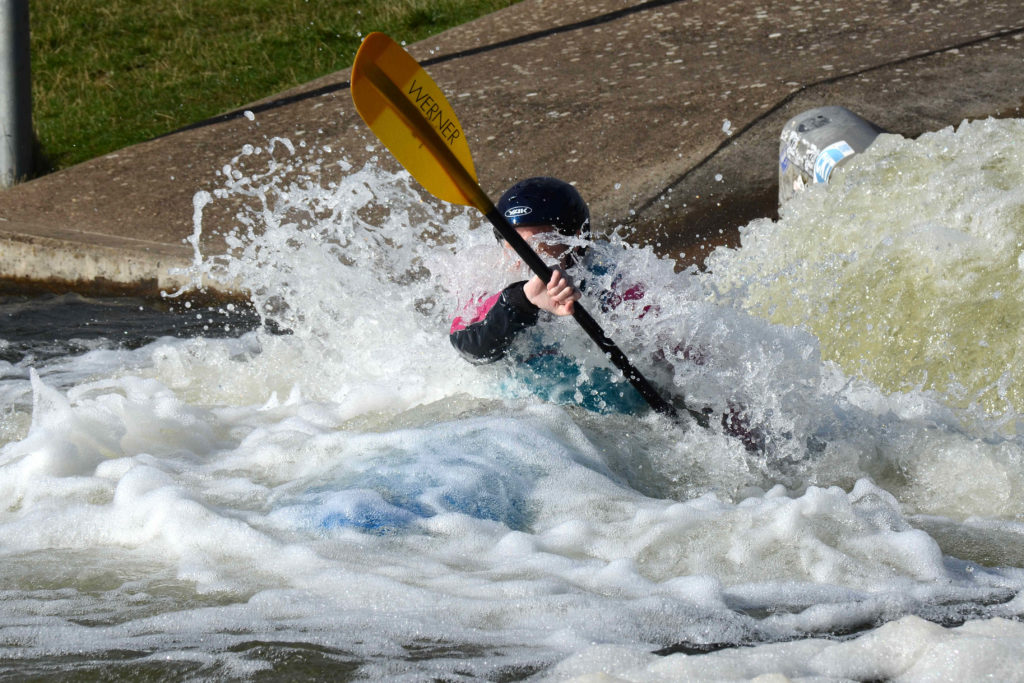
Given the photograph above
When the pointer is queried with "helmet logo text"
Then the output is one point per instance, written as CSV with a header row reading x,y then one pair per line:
x,y
518,211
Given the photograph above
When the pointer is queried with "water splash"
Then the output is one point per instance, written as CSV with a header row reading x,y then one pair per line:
x,y
907,267
365,272
352,264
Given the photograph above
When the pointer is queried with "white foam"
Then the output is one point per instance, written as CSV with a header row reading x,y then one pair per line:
x,y
356,486
907,649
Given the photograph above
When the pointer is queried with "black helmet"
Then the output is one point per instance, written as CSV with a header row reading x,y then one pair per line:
x,y
545,201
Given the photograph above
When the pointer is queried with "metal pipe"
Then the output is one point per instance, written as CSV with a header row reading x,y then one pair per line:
x,y
15,93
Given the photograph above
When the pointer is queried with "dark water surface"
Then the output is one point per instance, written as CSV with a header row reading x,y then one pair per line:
x,y
43,327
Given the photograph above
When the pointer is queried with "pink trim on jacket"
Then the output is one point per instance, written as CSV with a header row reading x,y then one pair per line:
x,y
478,308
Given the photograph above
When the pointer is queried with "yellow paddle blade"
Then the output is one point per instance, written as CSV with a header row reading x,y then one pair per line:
x,y
409,114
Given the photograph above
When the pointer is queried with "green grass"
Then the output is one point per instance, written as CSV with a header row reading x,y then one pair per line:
x,y
110,73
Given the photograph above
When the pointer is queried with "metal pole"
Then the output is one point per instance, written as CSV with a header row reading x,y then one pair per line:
x,y
15,93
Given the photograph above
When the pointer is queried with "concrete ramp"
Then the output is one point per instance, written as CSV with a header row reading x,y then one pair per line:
x,y
665,114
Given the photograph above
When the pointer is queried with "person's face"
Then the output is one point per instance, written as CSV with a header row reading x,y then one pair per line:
x,y
535,237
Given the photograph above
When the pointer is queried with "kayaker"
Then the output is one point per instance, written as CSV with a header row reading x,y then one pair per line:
x,y
551,215
537,208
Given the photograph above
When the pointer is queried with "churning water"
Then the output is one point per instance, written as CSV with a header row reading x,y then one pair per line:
x,y
340,495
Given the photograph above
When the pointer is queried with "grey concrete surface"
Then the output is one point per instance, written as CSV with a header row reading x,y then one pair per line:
x,y
629,100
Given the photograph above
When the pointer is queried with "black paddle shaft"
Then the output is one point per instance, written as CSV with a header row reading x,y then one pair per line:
x,y
587,322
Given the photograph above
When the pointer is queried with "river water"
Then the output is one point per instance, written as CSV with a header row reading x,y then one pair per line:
x,y
337,494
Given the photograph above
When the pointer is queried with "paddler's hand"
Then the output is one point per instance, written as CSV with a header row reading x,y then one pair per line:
x,y
557,296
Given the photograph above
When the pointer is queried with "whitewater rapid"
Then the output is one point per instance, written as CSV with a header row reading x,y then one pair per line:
x,y
338,494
